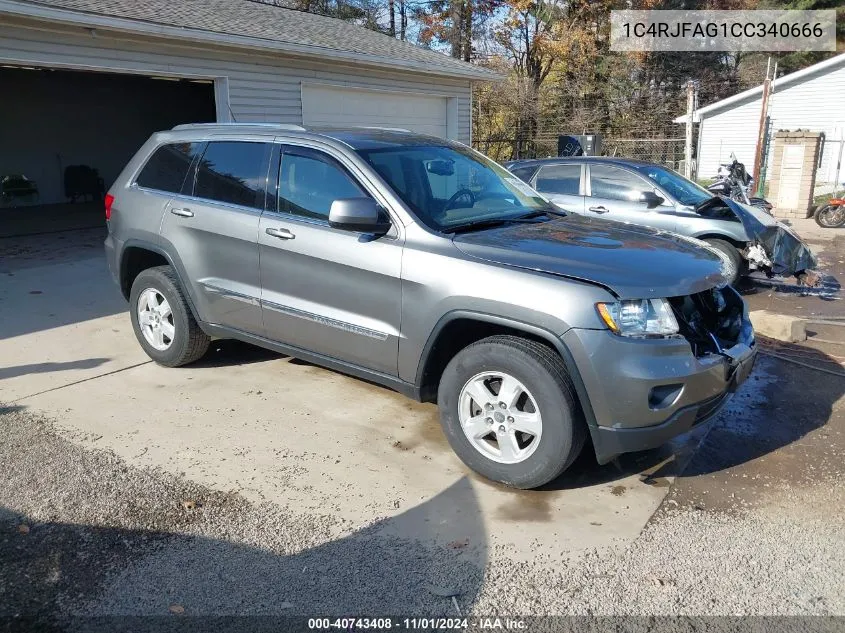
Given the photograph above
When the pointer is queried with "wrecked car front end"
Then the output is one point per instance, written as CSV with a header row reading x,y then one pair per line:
x,y
653,389
772,247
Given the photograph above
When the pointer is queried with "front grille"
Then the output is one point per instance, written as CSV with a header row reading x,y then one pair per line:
x,y
711,320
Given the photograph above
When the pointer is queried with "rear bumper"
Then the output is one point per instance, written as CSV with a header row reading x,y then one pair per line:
x,y
645,392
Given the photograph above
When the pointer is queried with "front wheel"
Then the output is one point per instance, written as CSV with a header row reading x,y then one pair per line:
x,y
733,265
509,411
830,216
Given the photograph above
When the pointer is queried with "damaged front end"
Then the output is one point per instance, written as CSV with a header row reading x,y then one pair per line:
x,y
777,250
716,322
773,247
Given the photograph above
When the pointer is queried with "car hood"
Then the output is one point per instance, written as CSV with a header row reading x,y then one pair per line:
x,y
787,253
634,262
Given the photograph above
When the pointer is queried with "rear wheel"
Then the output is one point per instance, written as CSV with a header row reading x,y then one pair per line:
x,y
508,409
830,216
162,320
733,264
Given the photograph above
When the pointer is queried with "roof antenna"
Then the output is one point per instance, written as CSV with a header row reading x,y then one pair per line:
x,y
231,114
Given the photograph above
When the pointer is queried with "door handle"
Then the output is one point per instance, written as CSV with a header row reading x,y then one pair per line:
x,y
184,213
599,209
282,234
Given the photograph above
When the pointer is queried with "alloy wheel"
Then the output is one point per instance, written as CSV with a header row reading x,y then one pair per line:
x,y
500,417
155,319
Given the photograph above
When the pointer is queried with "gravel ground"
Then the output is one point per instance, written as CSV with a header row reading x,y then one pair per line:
x,y
84,534
753,527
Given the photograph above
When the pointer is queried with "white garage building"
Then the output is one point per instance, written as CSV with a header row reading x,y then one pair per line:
x,y
85,82
810,99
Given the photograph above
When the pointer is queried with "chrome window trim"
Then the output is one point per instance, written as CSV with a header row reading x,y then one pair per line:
x,y
300,219
228,205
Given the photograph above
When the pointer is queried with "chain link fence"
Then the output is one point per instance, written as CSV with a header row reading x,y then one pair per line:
x,y
830,175
665,147
664,151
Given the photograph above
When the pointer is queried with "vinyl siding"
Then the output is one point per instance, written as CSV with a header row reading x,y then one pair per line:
x,y
422,113
261,87
734,130
816,104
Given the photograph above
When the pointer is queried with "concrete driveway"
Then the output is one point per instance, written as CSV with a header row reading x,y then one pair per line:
x,y
251,483
274,428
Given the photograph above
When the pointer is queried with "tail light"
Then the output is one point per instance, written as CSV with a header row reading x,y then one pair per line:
x,y
109,202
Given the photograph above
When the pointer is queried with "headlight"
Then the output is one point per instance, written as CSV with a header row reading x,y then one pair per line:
x,y
639,317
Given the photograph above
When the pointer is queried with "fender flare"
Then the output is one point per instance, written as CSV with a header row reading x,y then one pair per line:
x,y
172,260
547,335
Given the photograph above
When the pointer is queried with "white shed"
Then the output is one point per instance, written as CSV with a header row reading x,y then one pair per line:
x,y
85,82
811,99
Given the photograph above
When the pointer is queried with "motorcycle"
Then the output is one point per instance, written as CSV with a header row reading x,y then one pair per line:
x,y
831,215
733,181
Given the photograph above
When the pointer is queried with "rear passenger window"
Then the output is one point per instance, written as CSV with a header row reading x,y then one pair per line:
x,y
168,166
234,172
562,179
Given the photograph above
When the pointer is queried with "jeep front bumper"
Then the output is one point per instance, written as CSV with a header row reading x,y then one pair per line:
x,y
643,392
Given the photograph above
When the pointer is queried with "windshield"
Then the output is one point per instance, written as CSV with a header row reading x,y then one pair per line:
x,y
452,186
684,191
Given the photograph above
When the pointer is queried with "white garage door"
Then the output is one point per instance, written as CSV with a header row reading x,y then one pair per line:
x,y
336,105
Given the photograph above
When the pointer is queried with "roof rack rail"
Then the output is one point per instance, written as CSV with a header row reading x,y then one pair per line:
x,y
378,127
277,126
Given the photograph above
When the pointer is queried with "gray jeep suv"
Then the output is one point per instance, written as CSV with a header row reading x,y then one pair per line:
x,y
419,264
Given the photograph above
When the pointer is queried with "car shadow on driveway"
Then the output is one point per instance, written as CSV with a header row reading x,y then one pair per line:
x,y
69,577
791,402
231,352
653,466
779,404
756,426
43,368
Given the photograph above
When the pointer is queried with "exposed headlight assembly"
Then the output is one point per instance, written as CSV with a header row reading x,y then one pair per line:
x,y
639,317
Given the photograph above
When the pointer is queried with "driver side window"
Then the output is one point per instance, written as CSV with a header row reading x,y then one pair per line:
x,y
611,183
310,181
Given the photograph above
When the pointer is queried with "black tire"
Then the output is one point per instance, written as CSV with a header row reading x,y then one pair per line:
x,y
543,373
826,211
731,254
189,342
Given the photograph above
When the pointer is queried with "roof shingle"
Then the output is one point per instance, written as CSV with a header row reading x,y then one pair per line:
x,y
264,23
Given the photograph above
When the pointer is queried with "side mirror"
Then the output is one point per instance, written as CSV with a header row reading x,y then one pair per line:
x,y
651,199
362,215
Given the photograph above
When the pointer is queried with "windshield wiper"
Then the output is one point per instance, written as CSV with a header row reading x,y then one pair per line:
x,y
550,211
698,206
490,223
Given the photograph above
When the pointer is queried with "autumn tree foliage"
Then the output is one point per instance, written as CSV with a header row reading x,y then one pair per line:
x,y
560,74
